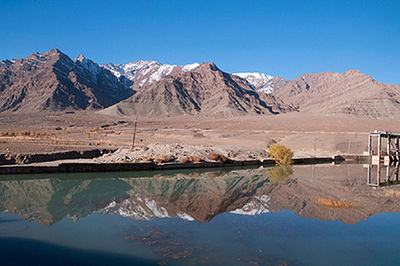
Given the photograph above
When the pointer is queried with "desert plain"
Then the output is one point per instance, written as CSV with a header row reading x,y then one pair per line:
x,y
307,134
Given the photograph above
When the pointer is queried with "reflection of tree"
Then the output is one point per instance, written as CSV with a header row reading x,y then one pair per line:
x,y
279,173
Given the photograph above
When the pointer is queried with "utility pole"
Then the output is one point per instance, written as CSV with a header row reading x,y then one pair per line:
x,y
134,134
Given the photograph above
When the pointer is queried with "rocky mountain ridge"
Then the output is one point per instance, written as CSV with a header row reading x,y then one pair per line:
x,y
53,82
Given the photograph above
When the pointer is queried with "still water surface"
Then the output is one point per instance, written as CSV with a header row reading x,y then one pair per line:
x,y
303,215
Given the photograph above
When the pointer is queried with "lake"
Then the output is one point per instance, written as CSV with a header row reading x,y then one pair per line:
x,y
299,215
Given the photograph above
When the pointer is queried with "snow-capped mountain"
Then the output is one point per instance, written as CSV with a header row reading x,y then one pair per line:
x,y
204,90
147,72
260,81
143,208
139,208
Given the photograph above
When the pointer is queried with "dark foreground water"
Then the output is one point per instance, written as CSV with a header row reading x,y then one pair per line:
x,y
304,215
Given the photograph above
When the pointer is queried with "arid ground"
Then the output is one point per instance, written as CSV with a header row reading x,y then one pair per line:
x,y
305,134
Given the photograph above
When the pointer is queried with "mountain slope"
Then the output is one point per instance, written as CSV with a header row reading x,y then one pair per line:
x,y
202,90
52,81
351,93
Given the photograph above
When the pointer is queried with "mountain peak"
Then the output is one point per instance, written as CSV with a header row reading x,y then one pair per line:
x,y
54,51
207,66
353,72
81,58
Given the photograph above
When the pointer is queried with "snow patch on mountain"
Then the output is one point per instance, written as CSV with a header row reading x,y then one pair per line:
x,y
257,205
146,72
163,70
260,81
140,209
190,67
185,216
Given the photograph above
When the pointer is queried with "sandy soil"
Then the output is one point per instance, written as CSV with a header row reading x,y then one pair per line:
x,y
306,134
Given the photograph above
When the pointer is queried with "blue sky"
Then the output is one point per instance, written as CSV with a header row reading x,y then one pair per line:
x,y
283,38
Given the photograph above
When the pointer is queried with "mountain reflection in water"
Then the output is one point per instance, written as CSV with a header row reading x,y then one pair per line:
x,y
323,192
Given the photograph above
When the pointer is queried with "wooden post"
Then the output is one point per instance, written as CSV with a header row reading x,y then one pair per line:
x,y
387,174
397,148
134,134
379,149
388,145
369,144
378,175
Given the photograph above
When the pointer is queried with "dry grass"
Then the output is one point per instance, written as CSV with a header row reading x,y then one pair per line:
x,y
163,159
219,158
146,158
8,134
32,134
184,160
392,193
195,159
334,203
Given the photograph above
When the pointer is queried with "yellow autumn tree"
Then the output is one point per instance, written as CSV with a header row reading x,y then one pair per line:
x,y
281,154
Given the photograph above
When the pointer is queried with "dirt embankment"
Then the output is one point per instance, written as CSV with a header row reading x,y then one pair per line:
x,y
8,159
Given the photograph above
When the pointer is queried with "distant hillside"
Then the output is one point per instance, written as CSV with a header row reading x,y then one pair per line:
x,y
52,81
351,93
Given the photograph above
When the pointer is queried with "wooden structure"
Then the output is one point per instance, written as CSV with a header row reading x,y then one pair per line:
x,y
385,175
384,153
383,146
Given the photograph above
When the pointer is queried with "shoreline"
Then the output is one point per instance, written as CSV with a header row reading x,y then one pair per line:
x,y
17,159
150,166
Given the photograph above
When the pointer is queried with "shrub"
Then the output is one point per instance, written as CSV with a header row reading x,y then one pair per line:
x,y
279,173
281,154
146,158
219,158
195,158
184,160
163,159
9,134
